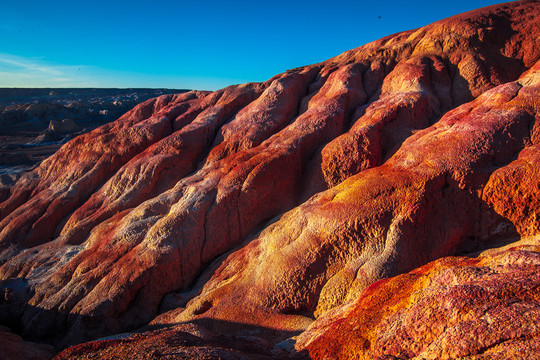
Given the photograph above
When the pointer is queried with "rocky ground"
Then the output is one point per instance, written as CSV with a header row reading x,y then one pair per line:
x,y
340,210
35,123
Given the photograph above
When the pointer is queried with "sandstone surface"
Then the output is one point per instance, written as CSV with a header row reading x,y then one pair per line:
x,y
453,308
268,210
483,307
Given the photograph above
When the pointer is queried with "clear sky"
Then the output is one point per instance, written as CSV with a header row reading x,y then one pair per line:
x,y
191,44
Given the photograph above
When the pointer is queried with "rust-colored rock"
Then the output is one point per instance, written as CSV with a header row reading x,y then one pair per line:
x,y
12,347
268,206
423,203
187,341
479,308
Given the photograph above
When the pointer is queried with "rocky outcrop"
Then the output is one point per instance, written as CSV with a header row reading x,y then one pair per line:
x,y
264,209
458,307
186,341
481,307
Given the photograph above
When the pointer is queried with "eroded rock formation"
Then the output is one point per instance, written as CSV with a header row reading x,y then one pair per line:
x,y
455,307
36,122
265,210
481,308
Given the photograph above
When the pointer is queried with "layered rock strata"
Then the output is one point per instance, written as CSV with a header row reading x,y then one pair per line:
x,y
259,208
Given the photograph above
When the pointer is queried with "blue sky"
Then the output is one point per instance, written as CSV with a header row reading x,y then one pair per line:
x,y
190,44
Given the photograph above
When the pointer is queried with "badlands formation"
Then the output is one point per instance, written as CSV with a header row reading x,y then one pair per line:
x,y
383,204
35,122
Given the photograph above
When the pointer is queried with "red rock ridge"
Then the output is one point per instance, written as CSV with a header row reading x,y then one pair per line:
x,y
261,207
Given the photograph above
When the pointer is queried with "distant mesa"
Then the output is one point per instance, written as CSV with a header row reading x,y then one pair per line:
x,y
382,204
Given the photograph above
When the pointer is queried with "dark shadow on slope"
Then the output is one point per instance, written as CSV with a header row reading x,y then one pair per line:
x,y
449,220
155,342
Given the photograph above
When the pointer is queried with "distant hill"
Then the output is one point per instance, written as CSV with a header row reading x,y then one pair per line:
x,y
11,96
34,122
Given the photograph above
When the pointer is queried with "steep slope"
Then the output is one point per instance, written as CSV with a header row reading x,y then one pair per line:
x,y
261,207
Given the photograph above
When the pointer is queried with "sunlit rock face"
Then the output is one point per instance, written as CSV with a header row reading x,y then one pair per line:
x,y
262,210
453,308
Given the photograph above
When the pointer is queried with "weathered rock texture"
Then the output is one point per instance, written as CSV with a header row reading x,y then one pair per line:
x,y
455,307
186,341
467,308
256,209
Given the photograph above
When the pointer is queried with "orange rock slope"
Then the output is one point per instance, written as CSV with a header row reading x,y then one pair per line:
x,y
455,307
482,308
262,210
